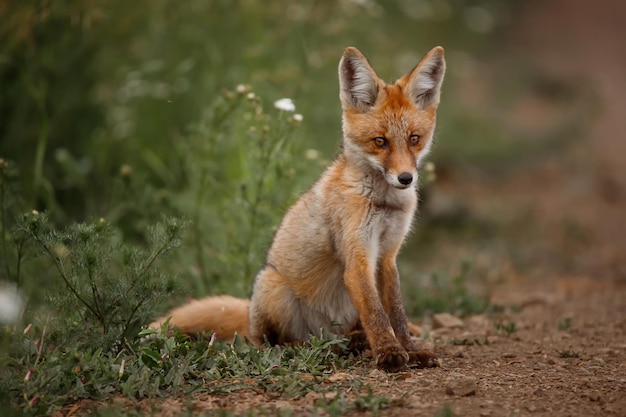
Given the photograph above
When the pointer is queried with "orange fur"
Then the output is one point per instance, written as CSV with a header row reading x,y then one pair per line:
x,y
224,315
332,263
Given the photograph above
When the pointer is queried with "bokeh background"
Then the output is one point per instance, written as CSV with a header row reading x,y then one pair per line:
x,y
127,111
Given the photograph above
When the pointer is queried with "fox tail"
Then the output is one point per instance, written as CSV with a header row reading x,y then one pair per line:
x,y
224,315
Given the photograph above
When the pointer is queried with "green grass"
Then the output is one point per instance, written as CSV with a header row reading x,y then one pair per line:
x,y
158,365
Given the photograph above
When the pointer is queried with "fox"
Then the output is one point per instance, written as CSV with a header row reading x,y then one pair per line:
x,y
332,262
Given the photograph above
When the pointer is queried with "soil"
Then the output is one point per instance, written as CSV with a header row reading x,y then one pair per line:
x,y
566,355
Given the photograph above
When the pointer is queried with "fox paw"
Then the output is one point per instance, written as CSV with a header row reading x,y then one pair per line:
x,y
391,357
423,359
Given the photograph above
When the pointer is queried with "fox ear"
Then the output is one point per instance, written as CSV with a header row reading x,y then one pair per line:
x,y
358,82
423,84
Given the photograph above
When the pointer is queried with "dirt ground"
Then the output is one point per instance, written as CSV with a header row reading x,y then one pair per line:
x,y
490,373
567,353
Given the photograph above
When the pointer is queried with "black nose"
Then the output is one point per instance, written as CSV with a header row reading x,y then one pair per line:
x,y
405,178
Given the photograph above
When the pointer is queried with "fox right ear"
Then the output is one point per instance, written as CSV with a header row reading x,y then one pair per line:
x,y
423,84
358,83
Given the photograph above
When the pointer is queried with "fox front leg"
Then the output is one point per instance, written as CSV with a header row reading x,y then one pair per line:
x,y
388,281
387,350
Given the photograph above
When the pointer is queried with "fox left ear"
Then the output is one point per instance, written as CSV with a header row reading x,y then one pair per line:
x,y
358,82
423,84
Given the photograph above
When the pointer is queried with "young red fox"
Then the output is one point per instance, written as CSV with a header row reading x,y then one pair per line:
x,y
332,263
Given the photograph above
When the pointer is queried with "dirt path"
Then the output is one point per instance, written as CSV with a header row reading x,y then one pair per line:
x,y
566,356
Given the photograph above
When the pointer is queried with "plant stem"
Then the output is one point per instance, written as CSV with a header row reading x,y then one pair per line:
x,y
164,248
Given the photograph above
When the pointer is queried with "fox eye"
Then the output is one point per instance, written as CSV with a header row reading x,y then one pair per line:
x,y
414,140
380,142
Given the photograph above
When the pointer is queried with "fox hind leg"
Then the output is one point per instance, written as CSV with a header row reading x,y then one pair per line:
x,y
273,310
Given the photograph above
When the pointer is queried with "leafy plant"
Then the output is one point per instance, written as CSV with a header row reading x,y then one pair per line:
x,y
110,288
236,204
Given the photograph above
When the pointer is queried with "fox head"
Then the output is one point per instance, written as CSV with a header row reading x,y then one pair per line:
x,y
389,127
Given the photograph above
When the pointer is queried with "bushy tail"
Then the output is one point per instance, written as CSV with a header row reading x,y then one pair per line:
x,y
225,315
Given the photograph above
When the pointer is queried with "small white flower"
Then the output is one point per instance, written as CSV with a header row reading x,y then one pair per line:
x,y
250,96
242,88
297,117
312,154
285,104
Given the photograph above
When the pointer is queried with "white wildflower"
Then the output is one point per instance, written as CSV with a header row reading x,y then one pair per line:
x,y
312,154
242,88
285,104
297,117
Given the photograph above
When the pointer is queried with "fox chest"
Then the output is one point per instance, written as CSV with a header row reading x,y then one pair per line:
x,y
384,230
